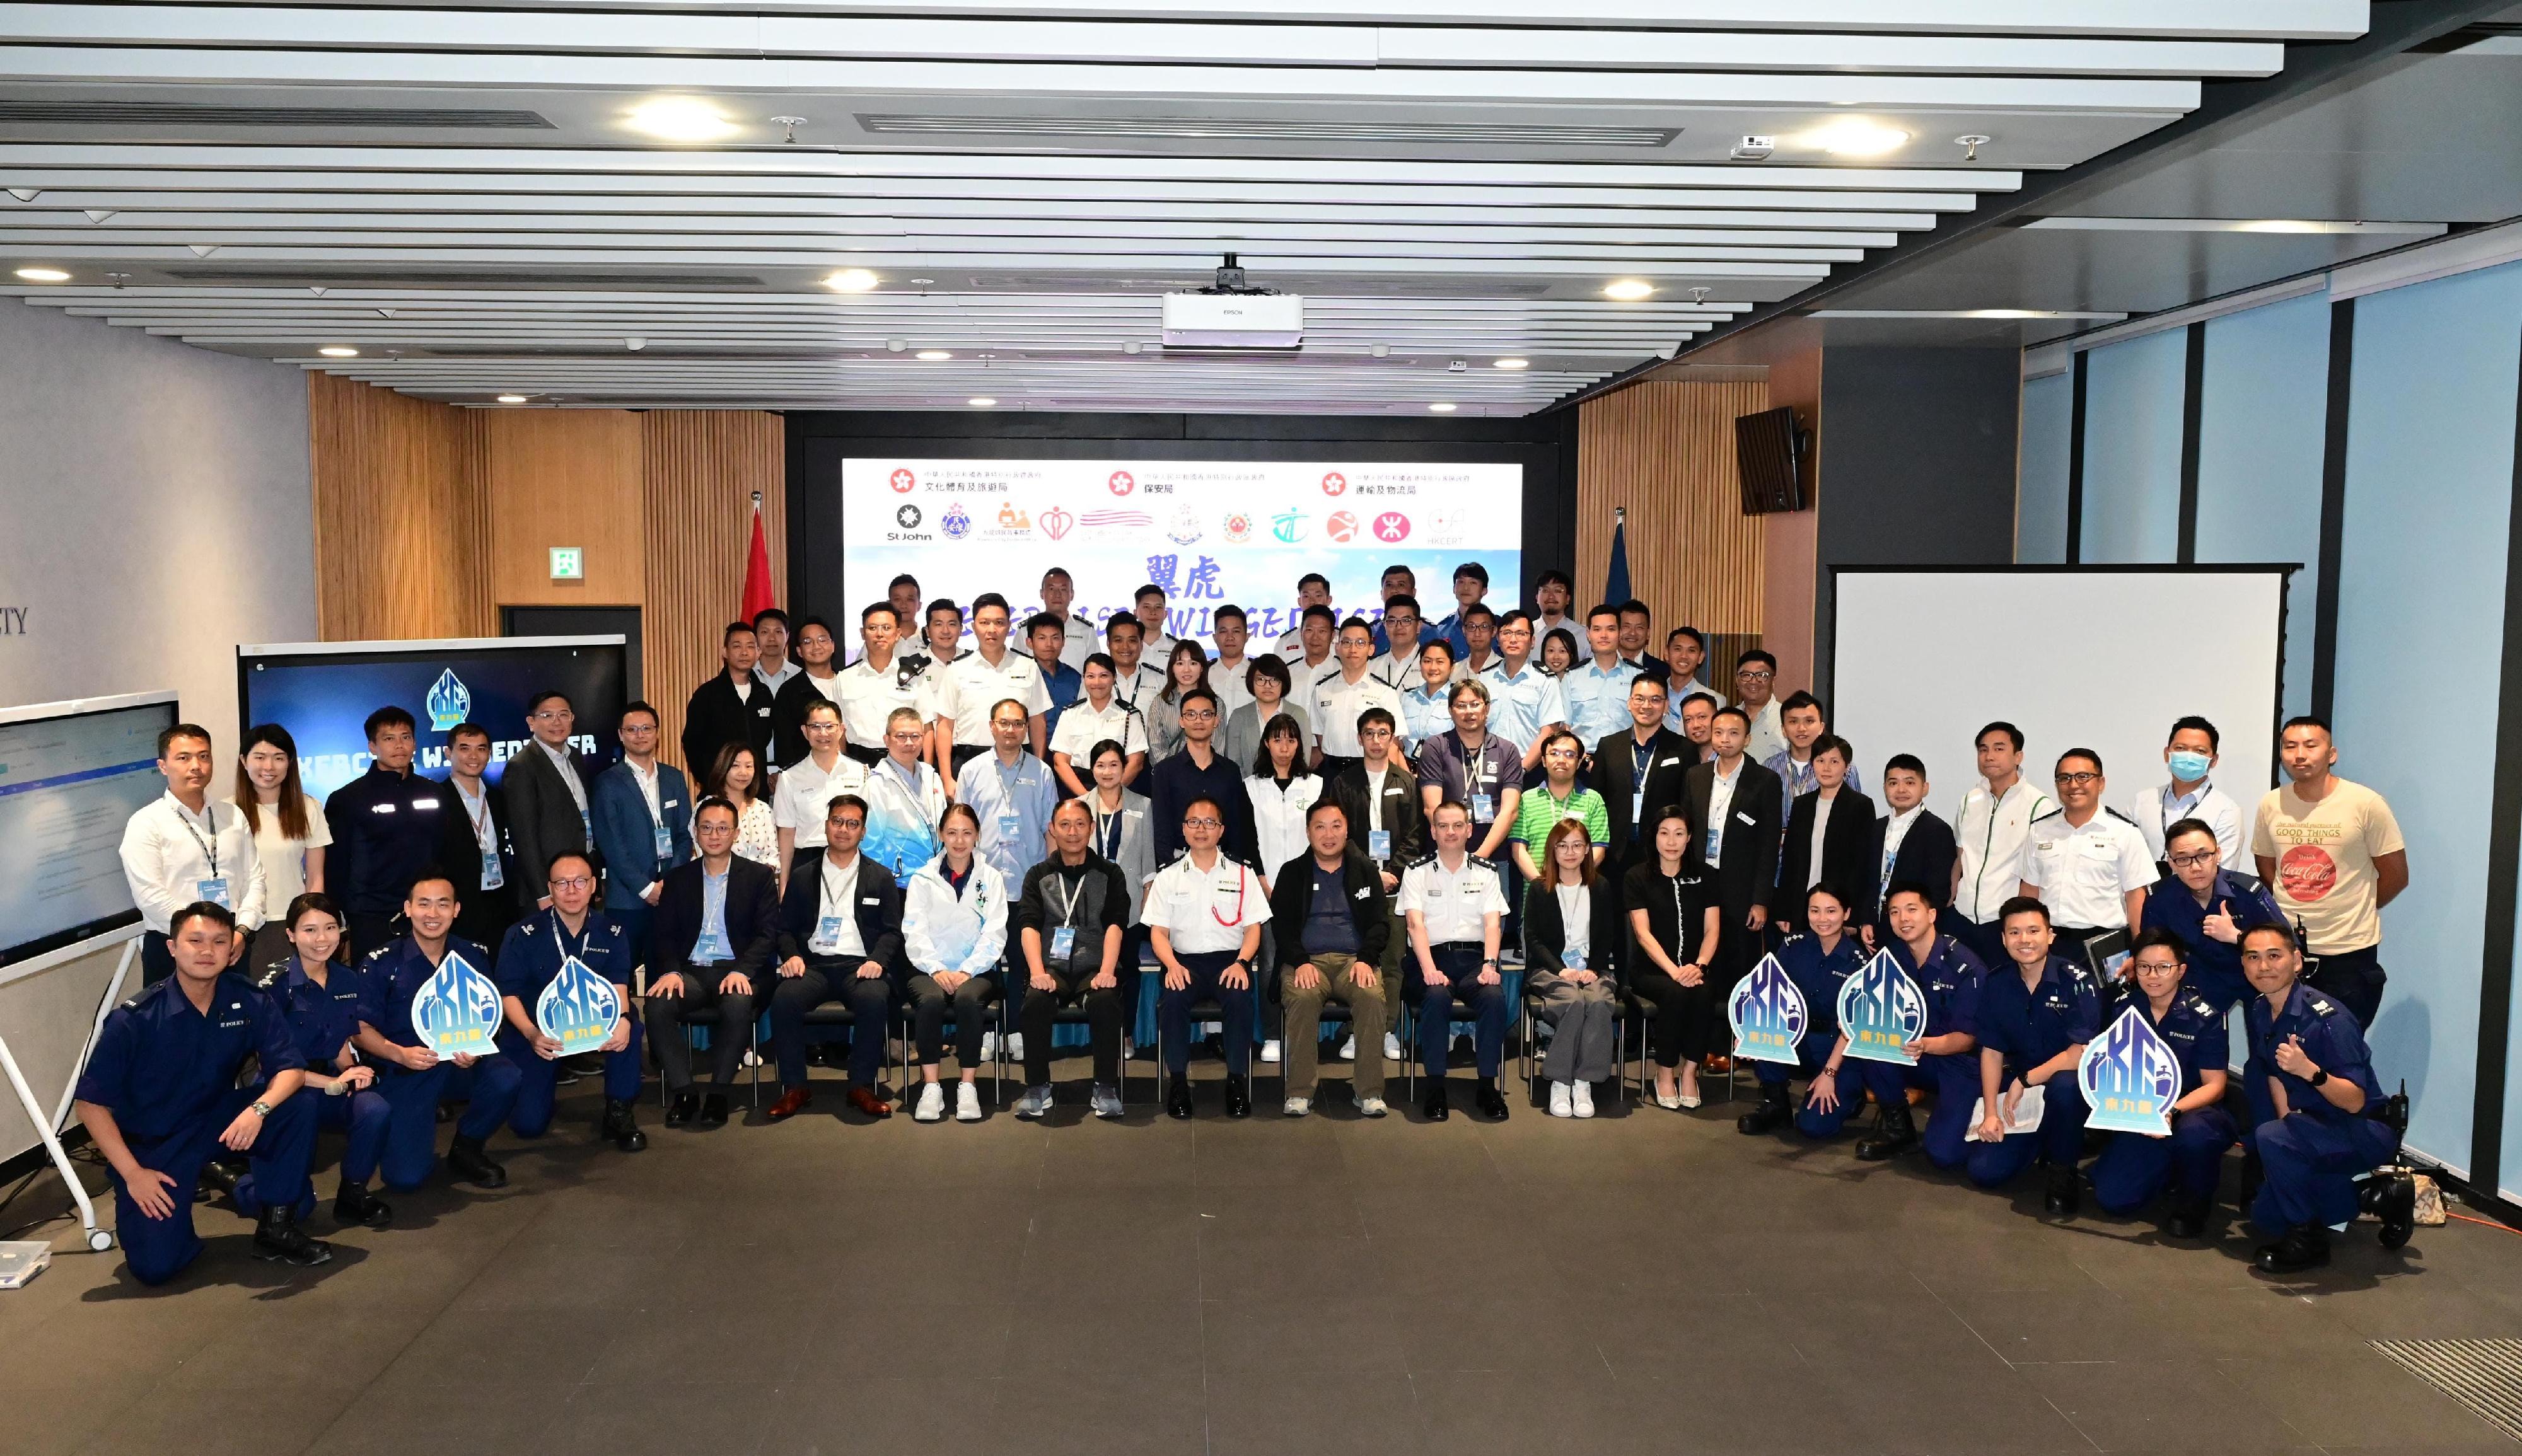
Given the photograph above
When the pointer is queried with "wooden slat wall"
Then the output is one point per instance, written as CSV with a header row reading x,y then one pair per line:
x,y
1665,451
566,477
401,514
702,468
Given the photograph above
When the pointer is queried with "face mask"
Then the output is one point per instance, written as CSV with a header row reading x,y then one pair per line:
x,y
2188,767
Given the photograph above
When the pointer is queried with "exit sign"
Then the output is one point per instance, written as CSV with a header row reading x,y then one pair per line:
x,y
569,564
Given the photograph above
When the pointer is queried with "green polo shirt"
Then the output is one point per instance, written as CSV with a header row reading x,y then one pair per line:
x,y
1537,811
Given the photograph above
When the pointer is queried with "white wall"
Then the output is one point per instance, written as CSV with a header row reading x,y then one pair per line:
x,y
157,511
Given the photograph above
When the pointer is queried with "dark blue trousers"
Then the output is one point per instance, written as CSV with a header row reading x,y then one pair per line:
x,y
1813,1053
158,1248
538,1080
2058,1140
411,1124
1239,1010
1460,967
2311,1164
2133,1168
1953,1079
365,1113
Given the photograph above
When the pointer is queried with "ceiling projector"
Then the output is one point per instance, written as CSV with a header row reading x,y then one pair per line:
x,y
1233,314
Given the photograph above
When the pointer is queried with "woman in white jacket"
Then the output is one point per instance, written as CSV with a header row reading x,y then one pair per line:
x,y
1282,791
954,930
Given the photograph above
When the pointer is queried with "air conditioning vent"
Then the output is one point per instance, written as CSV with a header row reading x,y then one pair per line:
x,y
461,278
1266,129
79,113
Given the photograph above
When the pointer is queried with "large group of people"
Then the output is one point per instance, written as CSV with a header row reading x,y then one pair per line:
x,y
1384,830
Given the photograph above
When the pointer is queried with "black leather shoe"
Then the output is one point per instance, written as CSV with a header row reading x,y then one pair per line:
x,y
2188,1219
713,1110
1772,1114
1239,1097
356,1205
468,1163
1178,1098
685,1107
278,1240
2065,1195
1490,1101
622,1125
2302,1248
220,1180
1893,1134
2393,1199
1434,1108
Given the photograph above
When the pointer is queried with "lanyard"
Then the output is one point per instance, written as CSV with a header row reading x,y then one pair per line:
x,y
2163,809
1239,897
481,820
1107,833
209,847
826,889
1640,755
558,943
1476,767
1067,897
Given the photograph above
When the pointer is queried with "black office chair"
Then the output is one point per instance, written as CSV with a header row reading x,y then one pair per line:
x,y
1528,1027
839,1014
1636,1010
714,1017
904,1021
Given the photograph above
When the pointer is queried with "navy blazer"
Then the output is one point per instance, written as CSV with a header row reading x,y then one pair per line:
x,y
1927,854
626,836
878,910
751,919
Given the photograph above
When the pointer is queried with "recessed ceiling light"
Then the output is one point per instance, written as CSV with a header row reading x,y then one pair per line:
x,y
1856,137
933,356
852,280
923,279
338,351
981,401
1628,290
1513,364
1443,406
512,399
43,275
681,118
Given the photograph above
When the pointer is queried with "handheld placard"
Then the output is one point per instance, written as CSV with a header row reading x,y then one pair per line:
x,y
2129,1077
1768,1014
456,1011
578,1008
1882,1011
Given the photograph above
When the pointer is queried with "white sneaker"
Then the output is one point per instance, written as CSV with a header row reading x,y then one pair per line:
x,y
1580,1098
1348,1049
1269,1051
1015,1046
1391,1046
932,1102
1371,1106
1561,1106
967,1102
1297,1106
989,1046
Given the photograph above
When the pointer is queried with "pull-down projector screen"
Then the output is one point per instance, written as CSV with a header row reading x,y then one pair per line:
x,y
2080,657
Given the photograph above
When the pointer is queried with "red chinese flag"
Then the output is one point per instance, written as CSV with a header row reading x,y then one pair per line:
x,y
757,595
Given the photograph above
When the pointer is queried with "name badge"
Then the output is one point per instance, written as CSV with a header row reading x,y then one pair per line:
x,y
1637,806
1573,960
1716,841
1010,826
1379,844
1574,813
710,947
1745,818
587,825
1483,808
493,877
214,891
827,936
1063,942
665,843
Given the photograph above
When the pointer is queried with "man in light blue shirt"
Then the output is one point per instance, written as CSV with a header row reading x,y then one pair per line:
x,y
1012,794
1471,589
1685,651
1597,690
1524,698
1804,720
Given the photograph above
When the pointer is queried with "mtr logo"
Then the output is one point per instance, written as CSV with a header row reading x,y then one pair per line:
x,y
1391,527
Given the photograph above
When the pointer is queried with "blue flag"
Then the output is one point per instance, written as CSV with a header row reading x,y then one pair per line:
x,y
1615,578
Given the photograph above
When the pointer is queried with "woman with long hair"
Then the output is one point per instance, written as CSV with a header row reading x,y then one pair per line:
x,y
1571,936
1186,669
1673,935
1282,791
289,830
737,776
954,932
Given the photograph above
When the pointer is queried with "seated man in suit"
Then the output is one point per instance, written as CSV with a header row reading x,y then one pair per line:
x,y
643,827
718,922
840,939
1911,847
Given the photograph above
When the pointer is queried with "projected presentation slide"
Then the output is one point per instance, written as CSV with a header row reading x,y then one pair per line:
x,y
322,693
1208,532
66,785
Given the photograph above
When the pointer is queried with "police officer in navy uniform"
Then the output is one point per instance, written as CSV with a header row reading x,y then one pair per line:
x,y
1951,978
2134,1167
412,1077
2313,1109
159,1095
1819,961
530,957
2035,1019
320,998
388,824
2209,907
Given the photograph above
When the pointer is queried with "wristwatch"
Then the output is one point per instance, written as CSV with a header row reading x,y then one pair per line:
x,y
2320,1074
262,1109
1491,961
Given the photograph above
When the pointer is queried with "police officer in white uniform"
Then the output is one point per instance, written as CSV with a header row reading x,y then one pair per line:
x,y
806,787
2086,863
1397,665
1339,697
1312,589
1058,591
1099,713
1454,904
869,690
1994,821
1204,913
976,682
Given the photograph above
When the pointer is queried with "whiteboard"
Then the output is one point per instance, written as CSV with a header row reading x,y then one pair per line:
x,y
2100,658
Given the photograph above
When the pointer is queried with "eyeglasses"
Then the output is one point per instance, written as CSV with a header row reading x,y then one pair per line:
x,y
1199,715
849,824
1203,824
553,715
2077,780
575,881
2194,859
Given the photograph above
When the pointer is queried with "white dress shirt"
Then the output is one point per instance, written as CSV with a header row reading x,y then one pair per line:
x,y
971,687
1989,831
836,908
1720,805
806,790
2154,810
1082,725
1453,902
867,696
1333,706
2084,872
171,856
1229,686
1206,910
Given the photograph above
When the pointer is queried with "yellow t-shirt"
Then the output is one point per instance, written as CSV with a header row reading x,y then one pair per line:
x,y
2324,854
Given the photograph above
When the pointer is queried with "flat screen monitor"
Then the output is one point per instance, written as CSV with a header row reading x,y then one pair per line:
x,y
70,775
